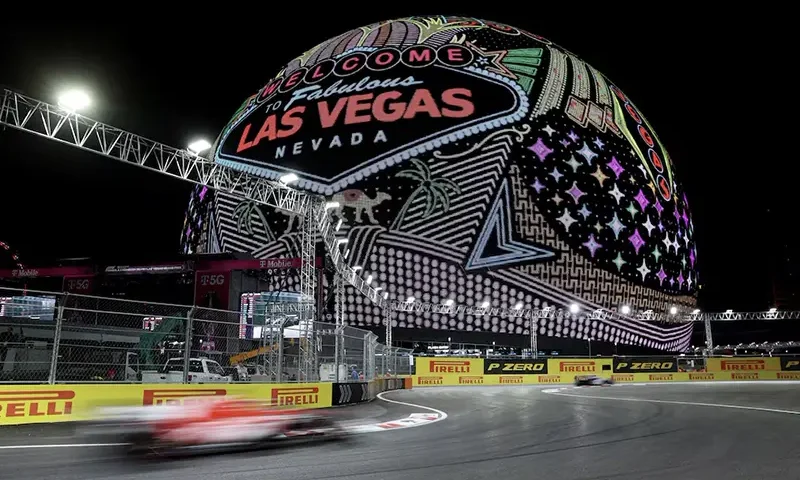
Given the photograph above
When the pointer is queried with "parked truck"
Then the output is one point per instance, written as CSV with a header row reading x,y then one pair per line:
x,y
201,370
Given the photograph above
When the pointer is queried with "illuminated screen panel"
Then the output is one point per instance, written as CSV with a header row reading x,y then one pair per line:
x,y
253,308
498,167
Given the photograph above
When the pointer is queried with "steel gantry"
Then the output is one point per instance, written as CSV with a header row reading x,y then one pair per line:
x,y
49,121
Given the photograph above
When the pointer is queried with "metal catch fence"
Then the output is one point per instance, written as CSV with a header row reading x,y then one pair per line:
x,y
49,337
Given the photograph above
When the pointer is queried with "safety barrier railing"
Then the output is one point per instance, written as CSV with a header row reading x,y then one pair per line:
x,y
52,337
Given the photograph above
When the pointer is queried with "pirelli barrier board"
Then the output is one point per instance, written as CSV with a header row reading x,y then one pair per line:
x,y
22,404
440,371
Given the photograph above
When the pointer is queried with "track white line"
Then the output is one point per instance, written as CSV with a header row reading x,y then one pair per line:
x,y
61,445
442,415
678,402
354,429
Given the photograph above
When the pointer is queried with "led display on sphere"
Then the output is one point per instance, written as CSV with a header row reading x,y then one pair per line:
x,y
472,161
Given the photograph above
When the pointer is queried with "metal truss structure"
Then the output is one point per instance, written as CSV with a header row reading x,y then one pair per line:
x,y
45,120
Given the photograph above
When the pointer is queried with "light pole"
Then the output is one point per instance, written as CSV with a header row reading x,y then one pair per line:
x,y
74,100
199,146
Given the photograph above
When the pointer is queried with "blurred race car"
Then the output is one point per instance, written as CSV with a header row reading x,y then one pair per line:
x,y
592,380
210,426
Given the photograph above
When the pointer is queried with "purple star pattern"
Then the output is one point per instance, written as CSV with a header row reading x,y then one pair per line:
x,y
540,149
676,214
681,280
661,276
537,185
564,142
691,257
659,207
636,240
615,167
641,199
572,136
592,245
685,218
575,192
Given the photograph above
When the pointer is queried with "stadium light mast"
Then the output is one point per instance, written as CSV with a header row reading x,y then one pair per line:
x,y
74,100
199,146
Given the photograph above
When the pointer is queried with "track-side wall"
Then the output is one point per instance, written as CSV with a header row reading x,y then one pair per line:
x,y
24,404
441,371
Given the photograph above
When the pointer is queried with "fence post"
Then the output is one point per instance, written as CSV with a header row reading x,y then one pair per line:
x,y
51,379
187,346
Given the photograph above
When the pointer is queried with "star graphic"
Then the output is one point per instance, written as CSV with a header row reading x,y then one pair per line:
x,y
616,225
675,244
557,200
615,167
632,210
660,226
537,185
564,142
649,226
572,136
575,192
641,198
587,153
686,239
556,174
600,176
683,261
619,262
549,130
592,244
667,242
644,170
585,212
617,194
657,253
599,143
495,59
643,270
652,187
598,227
636,240
661,276
566,219
540,149
689,282
573,163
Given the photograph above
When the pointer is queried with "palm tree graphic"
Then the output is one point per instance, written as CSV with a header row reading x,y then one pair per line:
x,y
436,191
245,212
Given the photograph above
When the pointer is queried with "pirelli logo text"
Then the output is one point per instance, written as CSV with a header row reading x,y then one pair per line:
x,y
744,376
788,375
450,366
701,376
36,403
430,380
295,396
549,378
624,377
661,377
743,365
515,379
790,364
577,366
471,380
523,367
184,396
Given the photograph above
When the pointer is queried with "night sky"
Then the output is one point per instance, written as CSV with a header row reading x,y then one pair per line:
x,y
719,96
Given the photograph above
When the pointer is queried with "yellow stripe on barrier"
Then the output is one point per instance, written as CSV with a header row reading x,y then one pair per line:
x,y
23,404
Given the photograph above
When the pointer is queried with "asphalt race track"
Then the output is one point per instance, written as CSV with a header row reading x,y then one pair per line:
x,y
698,431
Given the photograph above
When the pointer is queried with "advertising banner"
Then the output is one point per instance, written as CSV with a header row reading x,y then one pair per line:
x,y
212,288
579,366
790,364
730,364
79,284
23,404
514,367
644,364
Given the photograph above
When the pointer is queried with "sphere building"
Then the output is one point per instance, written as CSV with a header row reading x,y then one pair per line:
x,y
472,161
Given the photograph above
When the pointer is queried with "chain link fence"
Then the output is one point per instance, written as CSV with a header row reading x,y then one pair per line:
x,y
48,337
